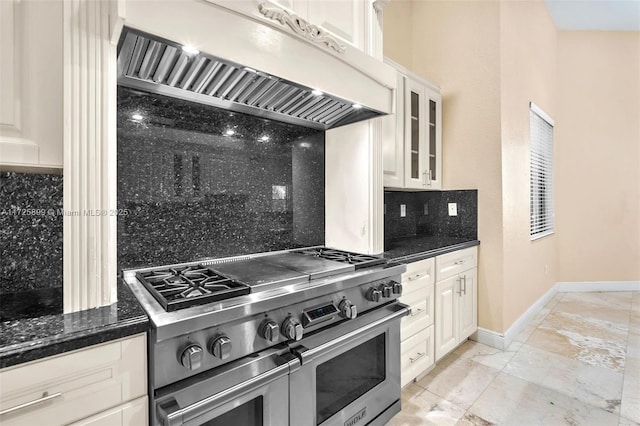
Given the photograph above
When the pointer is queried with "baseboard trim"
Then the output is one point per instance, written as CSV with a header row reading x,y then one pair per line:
x,y
568,287
502,341
489,338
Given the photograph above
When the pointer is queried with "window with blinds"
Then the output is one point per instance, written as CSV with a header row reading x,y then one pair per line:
x,y
541,173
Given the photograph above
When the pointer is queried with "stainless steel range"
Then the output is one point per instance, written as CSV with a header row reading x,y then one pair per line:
x,y
302,337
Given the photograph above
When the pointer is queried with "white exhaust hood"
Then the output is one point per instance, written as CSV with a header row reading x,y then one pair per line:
x,y
237,43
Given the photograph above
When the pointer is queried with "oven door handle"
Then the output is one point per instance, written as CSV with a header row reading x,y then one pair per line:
x,y
171,414
338,339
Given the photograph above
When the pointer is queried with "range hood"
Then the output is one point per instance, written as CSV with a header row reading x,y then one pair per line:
x,y
157,65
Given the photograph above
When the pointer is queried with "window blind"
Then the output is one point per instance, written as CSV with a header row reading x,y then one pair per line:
x,y
541,173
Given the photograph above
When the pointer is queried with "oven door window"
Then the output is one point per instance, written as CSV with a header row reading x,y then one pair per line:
x,y
247,414
346,377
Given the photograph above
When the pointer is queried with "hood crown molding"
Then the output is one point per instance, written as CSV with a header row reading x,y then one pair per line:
x,y
302,27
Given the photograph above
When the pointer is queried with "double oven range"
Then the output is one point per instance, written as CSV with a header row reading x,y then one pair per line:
x,y
300,337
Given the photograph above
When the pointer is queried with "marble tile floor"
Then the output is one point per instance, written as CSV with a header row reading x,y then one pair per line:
x,y
577,363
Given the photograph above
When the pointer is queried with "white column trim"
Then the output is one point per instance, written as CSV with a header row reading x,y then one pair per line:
x,y
376,244
89,275
502,341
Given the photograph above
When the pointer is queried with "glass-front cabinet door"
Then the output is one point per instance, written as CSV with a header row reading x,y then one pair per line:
x,y
434,169
423,136
416,148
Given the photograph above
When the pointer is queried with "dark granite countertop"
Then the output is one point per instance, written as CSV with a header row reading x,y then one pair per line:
x,y
29,339
419,247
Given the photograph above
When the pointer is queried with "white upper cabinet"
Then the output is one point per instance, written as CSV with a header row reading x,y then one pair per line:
x,y
340,24
342,18
413,135
31,84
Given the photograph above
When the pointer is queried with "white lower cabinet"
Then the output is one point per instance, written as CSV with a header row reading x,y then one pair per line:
x,y
443,297
416,330
416,355
132,413
456,300
104,384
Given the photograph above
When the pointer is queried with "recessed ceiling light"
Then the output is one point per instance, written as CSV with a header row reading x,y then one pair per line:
x,y
190,50
264,138
317,92
230,132
137,117
356,106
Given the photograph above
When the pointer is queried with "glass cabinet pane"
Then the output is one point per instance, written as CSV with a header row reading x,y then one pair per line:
x,y
415,135
432,139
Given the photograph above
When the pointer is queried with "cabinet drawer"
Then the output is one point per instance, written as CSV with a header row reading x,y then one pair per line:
x,y
421,303
416,355
415,322
74,385
132,413
450,264
420,269
418,275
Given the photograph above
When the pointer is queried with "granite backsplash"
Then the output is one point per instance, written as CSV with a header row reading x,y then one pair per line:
x,y
195,182
30,241
427,214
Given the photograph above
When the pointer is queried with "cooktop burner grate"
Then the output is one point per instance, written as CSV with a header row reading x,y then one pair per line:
x,y
355,259
185,286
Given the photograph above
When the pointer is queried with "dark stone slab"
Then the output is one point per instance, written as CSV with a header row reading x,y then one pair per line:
x,y
30,232
191,190
29,339
413,249
427,214
427,230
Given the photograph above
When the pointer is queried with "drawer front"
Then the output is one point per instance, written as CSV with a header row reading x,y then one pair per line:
x,y
74,385
450,264
416,355
417,274
421,303
132,413
415,322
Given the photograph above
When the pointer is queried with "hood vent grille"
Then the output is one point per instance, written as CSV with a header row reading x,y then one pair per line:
x,y
159,66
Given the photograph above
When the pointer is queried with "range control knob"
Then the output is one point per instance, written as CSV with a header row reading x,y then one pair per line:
x,y
347,309
292,329
385,289
221,347
269,330
191,357
374,294
397,288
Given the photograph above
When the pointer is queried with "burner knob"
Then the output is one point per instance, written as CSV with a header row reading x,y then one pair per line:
x,y
347,309
221,347
374,294
191,357
292,329
397,288
269,330
385,289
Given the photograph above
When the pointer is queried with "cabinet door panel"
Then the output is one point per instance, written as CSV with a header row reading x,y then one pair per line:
x,y
415,137
446,316
343,18
434,138
393,141
468,303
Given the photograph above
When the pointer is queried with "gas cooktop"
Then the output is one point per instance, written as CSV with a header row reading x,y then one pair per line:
x,y
181,286
184,286
356,259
